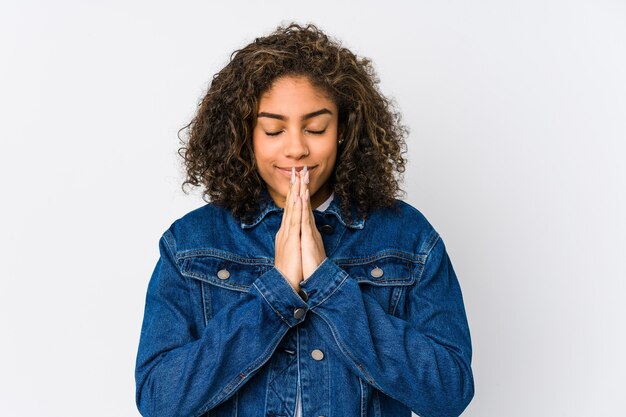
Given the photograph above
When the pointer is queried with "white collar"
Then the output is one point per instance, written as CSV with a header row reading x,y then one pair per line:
x,y
326,203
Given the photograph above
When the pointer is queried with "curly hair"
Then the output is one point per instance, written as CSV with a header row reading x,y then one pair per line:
x,y
219,155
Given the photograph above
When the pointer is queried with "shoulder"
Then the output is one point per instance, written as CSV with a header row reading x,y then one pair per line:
x,y
401,214
404,226
194,228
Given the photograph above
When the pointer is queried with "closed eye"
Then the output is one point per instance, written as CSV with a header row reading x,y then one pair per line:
x,y
316,132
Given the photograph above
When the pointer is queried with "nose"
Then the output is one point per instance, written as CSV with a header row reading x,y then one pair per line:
x,y
296,146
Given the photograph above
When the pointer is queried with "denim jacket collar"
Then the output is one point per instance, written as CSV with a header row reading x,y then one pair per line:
x,y
267,205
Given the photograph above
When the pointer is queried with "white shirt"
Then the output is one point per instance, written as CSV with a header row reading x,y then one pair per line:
x,y
326,203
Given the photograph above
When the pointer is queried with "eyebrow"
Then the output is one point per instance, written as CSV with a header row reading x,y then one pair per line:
x,y
305,117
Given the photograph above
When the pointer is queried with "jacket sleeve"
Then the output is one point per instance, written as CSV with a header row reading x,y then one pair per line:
x,y
183,371
423,361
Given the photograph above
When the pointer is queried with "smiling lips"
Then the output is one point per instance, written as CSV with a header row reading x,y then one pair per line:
x,y
287,171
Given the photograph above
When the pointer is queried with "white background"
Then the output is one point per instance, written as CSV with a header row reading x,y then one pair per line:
x,y
517,113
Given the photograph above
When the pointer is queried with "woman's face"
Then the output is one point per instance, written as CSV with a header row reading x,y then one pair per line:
x,y
296,126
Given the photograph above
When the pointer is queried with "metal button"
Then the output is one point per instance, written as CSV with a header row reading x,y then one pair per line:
x,y
303,294
317,354
299,312
376,272
223,274
327,229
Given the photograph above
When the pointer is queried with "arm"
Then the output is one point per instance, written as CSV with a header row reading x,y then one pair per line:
x,y
182,373
424,361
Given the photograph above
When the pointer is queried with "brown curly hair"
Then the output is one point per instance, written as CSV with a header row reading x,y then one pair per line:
x,y
219,156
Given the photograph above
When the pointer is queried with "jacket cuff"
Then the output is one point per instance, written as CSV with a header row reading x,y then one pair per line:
x,y
283,299
322,283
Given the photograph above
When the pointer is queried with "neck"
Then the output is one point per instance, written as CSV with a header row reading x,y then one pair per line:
x,y
321,195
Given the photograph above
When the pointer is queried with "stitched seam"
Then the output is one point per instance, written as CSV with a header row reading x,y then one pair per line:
x,y
256,364
431,242
224,255
204,305
271,306
349,355
390,253
167,236
419,278
316,268
203,278
271,383
178,267
358,224
292,289
241,377
386,283
244,288
377,410
333,291
171,251
269,208
363,408
343,348
396,295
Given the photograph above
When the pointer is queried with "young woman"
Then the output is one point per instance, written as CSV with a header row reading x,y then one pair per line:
x,y
304,287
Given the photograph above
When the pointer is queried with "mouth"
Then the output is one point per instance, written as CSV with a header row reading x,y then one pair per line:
x,y
287,171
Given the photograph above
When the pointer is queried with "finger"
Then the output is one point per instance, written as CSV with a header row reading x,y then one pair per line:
x,y
296,189
289,205
296,213
308,219
306,201
309,208
289,200
302,179
284,221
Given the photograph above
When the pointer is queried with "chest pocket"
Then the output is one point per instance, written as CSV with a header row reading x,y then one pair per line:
x,y
385,278
221,280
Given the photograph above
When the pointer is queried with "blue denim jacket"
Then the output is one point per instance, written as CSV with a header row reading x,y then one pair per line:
x,y
379,330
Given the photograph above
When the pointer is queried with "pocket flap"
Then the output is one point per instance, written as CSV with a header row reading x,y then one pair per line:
x,y
223,272
388,270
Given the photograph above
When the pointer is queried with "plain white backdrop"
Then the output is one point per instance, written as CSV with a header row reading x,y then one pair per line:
x,y
517,113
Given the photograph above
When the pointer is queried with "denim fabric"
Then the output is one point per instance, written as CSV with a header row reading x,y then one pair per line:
x,y
382,332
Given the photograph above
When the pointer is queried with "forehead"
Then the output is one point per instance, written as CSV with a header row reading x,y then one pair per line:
x,y
294,90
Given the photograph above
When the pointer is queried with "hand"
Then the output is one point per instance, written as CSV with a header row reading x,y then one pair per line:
x,y
299,245
288,258
311,243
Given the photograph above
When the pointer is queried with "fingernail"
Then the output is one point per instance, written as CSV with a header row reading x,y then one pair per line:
x,y
293,175
306,195
305,174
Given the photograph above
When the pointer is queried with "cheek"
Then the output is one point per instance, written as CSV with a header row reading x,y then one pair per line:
x,y
261,152
329,157
330,154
